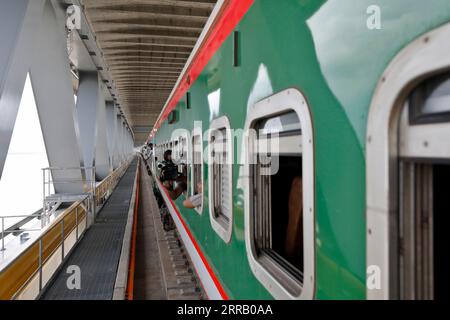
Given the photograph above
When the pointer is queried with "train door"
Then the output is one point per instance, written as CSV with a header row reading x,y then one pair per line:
x,y
424,191
408,174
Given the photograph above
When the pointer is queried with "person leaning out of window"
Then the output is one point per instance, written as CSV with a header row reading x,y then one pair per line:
x,y
179,181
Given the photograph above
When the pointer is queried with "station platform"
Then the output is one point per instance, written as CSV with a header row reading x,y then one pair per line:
x,y
98,253
126,254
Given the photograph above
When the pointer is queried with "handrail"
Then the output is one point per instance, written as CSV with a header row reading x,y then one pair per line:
x,y
105,185
16,227
28,266
21,271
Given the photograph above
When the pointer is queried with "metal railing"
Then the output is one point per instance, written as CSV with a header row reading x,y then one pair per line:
x,y
104,189
28,265
51,201
15,228
74,221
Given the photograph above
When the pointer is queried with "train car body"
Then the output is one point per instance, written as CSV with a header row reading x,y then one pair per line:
x,y
326,54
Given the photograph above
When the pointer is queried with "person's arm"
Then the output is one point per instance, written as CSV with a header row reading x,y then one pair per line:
x,y
188,204
175,193
168,186
193,202
179,189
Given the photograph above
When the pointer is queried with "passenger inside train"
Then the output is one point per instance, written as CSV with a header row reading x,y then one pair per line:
x,y
294,230
174,182
278,211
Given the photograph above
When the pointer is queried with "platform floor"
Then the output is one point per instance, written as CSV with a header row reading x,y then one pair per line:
x,y
163,268
98,253
149,282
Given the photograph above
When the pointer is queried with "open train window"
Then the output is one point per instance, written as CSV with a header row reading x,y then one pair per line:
x,y
176,150
277,198
220,177
183,148
197,165
280,195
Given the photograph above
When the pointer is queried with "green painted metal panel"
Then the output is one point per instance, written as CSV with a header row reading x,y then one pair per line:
x,y
324,49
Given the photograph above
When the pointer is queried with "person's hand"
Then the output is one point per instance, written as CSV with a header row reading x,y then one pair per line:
x,y
167,185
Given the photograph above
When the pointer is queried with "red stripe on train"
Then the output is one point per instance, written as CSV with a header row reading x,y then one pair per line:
x,y
232,13
200,253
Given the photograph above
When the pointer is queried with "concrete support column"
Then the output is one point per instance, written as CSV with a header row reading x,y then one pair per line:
x,y
128,143
111,124
33,39
92,123
102,160
18,22
52,84
122,144
87,99
127,133
131,146
118,141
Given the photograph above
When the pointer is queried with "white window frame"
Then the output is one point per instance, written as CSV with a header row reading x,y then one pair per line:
x,y
186,159
176,149
287,100
183,146
427,55
197,132
220,123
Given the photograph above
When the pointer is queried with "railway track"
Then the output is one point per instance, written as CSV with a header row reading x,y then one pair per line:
x,y
164,270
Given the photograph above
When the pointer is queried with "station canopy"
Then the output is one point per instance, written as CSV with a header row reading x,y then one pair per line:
x,y
145,44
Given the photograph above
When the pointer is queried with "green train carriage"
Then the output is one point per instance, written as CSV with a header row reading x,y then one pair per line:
x,y
351,105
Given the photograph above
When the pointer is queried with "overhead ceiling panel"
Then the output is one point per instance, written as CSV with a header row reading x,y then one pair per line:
x,y
145,44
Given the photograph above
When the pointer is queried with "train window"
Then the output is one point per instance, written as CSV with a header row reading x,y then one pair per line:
x,y
197,166
183,159
277,205
430,101
176,150
408,173
220,177
183,148
280,195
